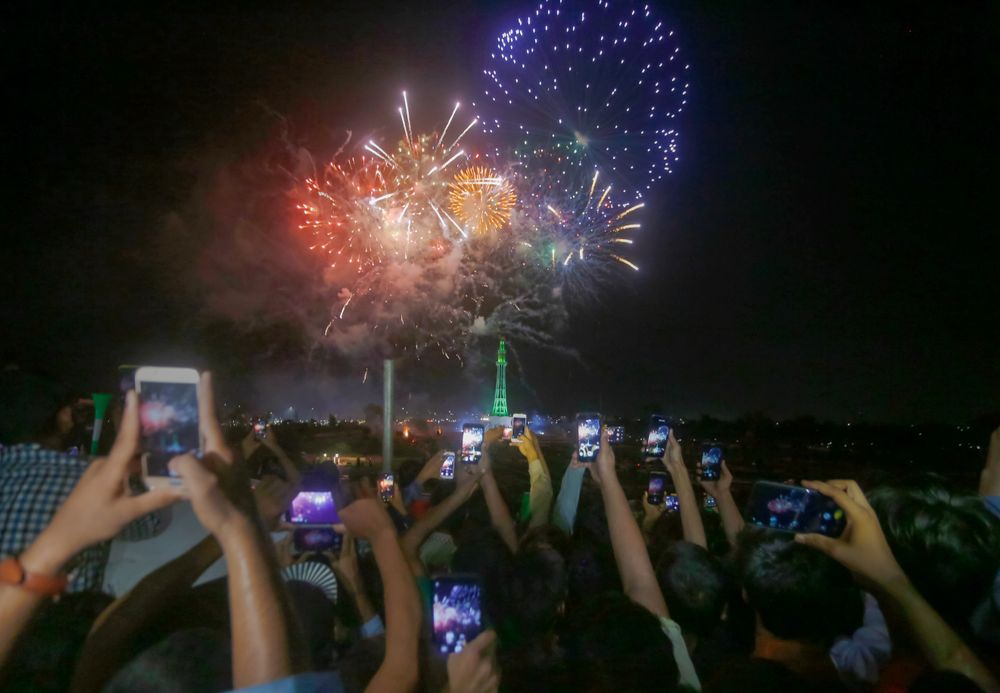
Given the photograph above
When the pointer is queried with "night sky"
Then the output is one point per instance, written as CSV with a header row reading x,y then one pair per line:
x,y
827,244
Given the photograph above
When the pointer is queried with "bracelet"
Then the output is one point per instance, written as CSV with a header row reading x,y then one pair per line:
x,y
13,573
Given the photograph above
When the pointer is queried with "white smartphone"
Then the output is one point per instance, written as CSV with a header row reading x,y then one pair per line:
x,y
517,424
168,414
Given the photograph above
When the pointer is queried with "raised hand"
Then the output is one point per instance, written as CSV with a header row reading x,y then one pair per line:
x,y
604,465
673,458
474,669
366,518
527,445
720,486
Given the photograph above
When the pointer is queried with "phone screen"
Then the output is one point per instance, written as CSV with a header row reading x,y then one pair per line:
x,y
588,436
657,483
457,613
168,413
386,486
517,427
711,503
616,434
260,428
673,505
794,509
472,443
711,462
313,508
317,539
656,439
448,466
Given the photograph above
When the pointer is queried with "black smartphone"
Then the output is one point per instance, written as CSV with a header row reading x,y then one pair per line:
x,y
448,466
386,486
656,438
317,539
313,508
457,612
588,436
616,434
472,443
657,483
517,424
794,509
711,461
673,505
710,503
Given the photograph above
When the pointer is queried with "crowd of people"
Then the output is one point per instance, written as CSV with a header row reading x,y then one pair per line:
x,y
582,589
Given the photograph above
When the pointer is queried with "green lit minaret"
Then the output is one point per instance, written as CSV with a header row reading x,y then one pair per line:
x,y
500,396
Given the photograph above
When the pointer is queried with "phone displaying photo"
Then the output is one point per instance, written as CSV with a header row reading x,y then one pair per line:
x,y
794,509
317,539
313,508
260,428
386,486
472,443
710,503
711,461
656,438
457,612
588,436
168,416
657,483
616,434
673,505
517,424
448,466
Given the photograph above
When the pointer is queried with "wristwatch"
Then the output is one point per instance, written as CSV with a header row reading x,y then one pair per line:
x,y
13,573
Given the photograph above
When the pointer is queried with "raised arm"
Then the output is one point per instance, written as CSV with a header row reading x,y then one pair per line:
x,y
540,493
96,510
694,529
863,549
634,566
500,516
989,480
729,512
466,482
564,512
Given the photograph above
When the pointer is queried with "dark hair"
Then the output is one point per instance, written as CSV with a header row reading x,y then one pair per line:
x,y
44,656
800,593
29,404
538,587
591,520
695,587
191,660
316,615
613,644
591,570
948,545
754,675
360,664
943,680
482,551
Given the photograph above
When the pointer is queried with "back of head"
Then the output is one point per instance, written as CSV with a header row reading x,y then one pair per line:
x,y
481,551
948,544
613,644
754,675
695,587
537,590
29,404
801,594
591,570
187,661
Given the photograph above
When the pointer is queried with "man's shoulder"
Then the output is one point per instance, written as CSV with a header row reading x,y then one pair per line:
x,y
32,457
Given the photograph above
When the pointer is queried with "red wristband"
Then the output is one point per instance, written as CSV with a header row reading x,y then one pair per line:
x,y
13,573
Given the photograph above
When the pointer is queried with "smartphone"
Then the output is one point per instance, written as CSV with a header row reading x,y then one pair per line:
x,y
673,505
616,434
710,503
588,436
517,424
656,438
317,539
457,612
794,509
448,466
260,428
657,482
386,486
472,443
313,509
168,415
711,461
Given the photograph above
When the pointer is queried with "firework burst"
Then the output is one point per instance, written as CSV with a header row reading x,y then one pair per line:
x,y
481,199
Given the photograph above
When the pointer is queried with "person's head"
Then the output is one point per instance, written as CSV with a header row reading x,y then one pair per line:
x,y
613,644
538,587
34,409
315,613
360,663
44,655
483,552
591,520
591,570
753,675
695,587
192,660
801,594
948,545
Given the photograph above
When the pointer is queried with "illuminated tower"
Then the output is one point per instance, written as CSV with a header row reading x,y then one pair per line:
x,y
500,395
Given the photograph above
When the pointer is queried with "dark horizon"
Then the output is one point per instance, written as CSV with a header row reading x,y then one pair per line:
x,y
825,246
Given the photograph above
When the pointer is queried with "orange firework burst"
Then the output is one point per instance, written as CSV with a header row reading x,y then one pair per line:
x,y
481,199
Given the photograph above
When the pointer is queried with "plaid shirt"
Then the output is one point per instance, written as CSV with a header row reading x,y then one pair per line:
x,y
34,482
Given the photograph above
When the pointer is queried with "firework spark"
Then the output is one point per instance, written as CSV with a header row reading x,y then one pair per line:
x,y
481,199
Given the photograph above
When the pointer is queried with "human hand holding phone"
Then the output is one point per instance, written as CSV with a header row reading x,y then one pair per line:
x,y
720,486
474,669
673,456
527,445
604,465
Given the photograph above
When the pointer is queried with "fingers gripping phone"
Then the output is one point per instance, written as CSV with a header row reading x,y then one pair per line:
x,y
657,435
472,443
313,509
168,416
657,483
386,487
517,424
457,612
711,462
588,436
448,466
794,509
